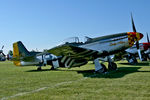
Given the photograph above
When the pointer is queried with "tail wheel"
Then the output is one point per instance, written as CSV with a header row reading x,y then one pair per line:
x,y
112,66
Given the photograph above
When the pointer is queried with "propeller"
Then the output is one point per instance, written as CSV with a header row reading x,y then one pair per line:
x,y
137,41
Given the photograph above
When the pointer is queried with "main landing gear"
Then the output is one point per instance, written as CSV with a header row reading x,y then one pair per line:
x,y
101,68
131,59
111,65
144,57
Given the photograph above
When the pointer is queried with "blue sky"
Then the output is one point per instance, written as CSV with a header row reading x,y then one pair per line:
x,y
42,24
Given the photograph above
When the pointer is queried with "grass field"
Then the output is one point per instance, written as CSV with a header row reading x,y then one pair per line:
x,y
25,83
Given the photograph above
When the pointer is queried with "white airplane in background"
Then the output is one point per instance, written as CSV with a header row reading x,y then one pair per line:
x,y
2,55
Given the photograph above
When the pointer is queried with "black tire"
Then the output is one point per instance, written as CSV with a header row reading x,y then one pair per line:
x,y
145,56
132,61
112,66
104,67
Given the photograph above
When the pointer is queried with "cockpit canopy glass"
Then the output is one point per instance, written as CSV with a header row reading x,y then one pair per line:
x,y
76,40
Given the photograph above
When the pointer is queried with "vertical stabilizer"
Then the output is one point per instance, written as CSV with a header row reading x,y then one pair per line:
x,y
19,50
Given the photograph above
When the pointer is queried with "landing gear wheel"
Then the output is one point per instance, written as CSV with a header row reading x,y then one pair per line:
x,y
103,69
112,66
144,57
132,61
39,68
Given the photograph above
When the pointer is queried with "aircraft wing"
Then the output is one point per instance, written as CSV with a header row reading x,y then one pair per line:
x,y
73,51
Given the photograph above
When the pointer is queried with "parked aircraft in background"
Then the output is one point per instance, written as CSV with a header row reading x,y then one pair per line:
x,y
76,53
132,52
2,55
10,55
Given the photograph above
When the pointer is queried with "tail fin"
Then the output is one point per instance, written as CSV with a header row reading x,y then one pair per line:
x,y
19,50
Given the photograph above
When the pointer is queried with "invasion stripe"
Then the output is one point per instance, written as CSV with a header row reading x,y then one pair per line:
x,y
63,59
66,63
71,63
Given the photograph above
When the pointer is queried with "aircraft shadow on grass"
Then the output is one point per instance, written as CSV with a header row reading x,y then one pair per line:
x,y
138,64
34,70
120,72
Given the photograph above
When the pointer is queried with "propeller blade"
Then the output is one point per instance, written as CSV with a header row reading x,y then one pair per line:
x,y
137,45
3,54
138,49
147,38
2,46
133,26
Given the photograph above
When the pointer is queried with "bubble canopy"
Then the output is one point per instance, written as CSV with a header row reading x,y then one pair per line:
x,y
75,40
71,40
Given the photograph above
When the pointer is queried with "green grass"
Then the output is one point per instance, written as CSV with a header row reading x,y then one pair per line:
x,y
129,82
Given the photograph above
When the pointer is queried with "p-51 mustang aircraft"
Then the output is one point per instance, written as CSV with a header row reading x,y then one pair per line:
x,y
132,52
76,53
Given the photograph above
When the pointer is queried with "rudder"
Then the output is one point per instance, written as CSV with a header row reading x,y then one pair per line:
x,y
19,50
